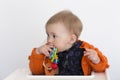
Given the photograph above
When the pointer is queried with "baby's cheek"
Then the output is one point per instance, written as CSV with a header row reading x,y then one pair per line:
x,y
61,46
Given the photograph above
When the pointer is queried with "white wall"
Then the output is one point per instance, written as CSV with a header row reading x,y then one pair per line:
x,y
22,28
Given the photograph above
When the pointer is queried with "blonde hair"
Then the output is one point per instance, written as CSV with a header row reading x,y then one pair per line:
x,y
71,21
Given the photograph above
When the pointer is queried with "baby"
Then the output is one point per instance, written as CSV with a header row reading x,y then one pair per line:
x,y
75,57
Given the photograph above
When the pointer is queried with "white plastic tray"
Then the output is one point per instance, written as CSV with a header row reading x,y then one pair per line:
x,y
43,77
24,74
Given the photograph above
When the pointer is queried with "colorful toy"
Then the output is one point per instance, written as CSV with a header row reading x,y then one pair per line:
x,y
54,58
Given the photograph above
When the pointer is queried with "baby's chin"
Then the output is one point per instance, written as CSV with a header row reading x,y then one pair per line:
x,y
58,51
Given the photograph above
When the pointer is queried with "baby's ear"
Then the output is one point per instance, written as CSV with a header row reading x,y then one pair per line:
x,y
73,38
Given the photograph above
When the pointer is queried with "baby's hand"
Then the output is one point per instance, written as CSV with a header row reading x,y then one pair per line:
x,y
92,55
45,49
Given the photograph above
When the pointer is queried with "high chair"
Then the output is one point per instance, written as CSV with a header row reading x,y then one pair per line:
x,y
24,74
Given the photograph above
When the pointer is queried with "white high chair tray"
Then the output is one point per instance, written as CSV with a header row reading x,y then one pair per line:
x,y
31,77
75,77
24,74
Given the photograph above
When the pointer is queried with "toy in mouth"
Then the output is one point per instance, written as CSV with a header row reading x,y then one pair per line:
x,y
54,58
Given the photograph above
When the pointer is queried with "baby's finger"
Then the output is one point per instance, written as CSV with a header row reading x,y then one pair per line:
x,y
46,53
86,53
88,50
49,50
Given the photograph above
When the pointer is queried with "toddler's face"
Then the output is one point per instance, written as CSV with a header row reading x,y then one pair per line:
x,y
58,36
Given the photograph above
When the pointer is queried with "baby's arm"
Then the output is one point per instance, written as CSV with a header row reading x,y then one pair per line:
x,y
102,65
35,63
37,58
98,62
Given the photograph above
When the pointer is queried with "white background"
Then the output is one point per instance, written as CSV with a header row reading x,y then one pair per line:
x,y
22,28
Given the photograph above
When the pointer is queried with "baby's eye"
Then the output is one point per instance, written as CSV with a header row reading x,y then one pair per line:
x,y
54,36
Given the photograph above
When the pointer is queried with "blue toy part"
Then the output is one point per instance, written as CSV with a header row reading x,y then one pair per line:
x,y
53,56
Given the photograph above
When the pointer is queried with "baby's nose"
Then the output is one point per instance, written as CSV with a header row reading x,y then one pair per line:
x,y
50,40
